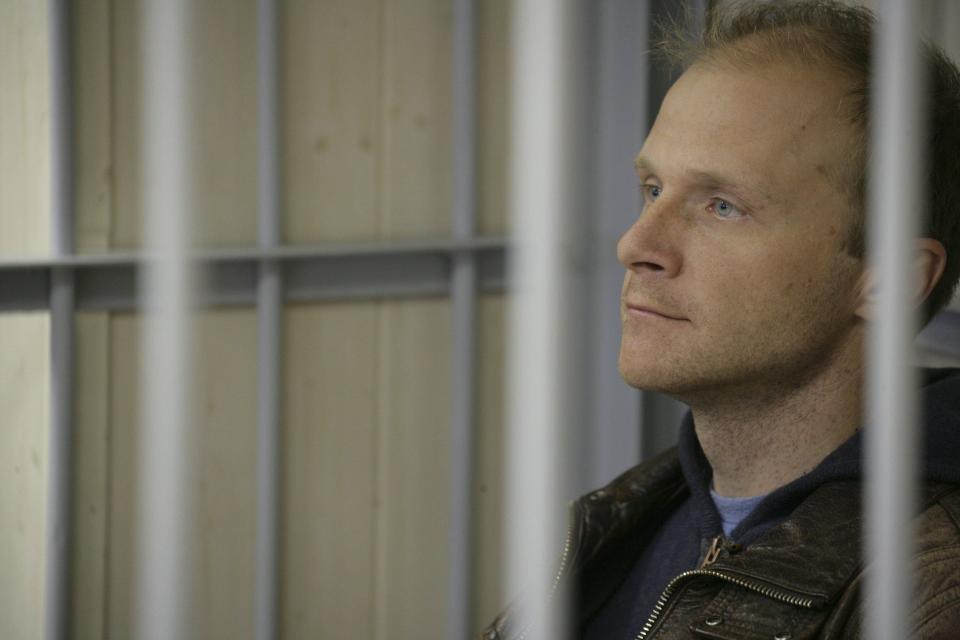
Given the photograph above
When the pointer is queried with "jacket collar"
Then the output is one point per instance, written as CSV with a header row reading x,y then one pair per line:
x,y
630,503
814,553
817,551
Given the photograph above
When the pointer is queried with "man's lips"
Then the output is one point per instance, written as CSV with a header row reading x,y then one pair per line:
x,y
646,311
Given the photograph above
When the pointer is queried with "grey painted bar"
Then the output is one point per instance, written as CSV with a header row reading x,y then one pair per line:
x,y
61,300
269,325
230,278
546,386
463,286
892,412
165,457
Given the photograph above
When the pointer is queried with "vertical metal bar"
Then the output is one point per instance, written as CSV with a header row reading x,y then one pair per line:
x,y
61,127
896,204
165,455
546,200
464,293
269,319
60,462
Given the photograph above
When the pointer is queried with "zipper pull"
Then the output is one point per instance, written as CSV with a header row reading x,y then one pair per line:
x,y
713,552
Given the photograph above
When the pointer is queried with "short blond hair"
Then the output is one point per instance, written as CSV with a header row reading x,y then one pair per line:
x,y
839,37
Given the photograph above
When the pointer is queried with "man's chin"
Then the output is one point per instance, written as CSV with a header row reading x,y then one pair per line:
x,y
648,377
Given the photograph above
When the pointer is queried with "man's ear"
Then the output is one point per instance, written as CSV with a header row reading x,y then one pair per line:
x,y
929,260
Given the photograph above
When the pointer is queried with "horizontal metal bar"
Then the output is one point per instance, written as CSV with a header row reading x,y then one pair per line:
x,y
25,289
288,252
110,282
113,285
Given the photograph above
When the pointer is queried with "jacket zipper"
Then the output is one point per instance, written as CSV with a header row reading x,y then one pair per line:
x,y
712,554
564,561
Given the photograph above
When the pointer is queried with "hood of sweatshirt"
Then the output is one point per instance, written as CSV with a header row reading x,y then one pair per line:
x,y
940,452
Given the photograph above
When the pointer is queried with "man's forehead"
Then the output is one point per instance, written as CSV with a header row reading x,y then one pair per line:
x,y
776,99
724,122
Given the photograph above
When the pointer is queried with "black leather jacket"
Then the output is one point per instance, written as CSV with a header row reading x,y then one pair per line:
x,y
801,579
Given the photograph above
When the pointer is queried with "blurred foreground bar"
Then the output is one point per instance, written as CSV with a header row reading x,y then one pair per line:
x,y
894,204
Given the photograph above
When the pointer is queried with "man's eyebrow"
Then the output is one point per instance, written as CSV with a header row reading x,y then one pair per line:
x,y
643,164
752,197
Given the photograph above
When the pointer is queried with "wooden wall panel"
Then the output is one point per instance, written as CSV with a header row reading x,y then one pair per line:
x,y
489,598
366,470
93,102
366,128
24,396
417,85
93,125
332,143
224,135
226,427
413,469
24,129
125,226
330,465
91,484
123,485
367,95
224,445
225,140
94,198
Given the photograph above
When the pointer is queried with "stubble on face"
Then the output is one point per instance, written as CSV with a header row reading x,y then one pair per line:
x,y
769,299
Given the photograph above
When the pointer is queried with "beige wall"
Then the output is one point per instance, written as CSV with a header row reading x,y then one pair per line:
x,y
366,122
24,337
24,381
366,94
24,129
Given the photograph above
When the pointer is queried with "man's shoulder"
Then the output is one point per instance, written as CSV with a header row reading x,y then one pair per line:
x,y
615,515
643,481
938,555
936,612
940,519
937,564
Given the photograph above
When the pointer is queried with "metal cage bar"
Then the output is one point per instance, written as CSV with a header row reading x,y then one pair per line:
x,y
165,453
545,202
61,297
892,439
269,325
463,289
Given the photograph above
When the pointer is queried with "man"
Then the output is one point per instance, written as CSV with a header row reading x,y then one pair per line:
x,y
747,297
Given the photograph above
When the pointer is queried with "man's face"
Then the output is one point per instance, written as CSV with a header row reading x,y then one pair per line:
x,y
736,269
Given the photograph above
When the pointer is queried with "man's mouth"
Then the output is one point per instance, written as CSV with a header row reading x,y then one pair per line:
x,y
647,311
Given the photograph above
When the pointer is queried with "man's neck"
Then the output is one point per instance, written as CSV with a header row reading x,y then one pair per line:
x,y
762,440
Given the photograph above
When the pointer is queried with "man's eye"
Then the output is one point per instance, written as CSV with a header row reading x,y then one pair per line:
x,y
723,209
650,192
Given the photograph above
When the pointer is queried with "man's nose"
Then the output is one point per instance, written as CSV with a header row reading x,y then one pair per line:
x,y
648,246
